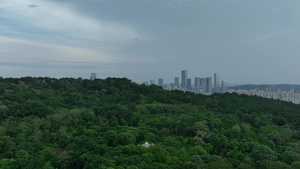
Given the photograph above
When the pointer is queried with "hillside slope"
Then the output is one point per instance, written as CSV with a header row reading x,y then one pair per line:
x,y
77,123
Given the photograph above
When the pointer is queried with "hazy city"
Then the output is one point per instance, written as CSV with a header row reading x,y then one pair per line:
x,y
210,85
203,85
149,84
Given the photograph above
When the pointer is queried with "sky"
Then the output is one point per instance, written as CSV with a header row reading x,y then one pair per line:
x,y
244,41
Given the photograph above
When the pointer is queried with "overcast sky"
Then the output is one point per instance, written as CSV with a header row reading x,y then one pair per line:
x,y
245,41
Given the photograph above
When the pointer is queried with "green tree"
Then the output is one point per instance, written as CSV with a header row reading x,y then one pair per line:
x,y
159,153
125,138
245,166
22,154
48,166
8,163
150,137
202,131
218,165
110,137
295,165
290,156
196,159
132,167
278,165
262,152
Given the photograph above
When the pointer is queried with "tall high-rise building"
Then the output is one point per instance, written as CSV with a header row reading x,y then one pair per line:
x,y
161,82
183,78
216,83
209,85
189,84
176,82
203,85
93,76
152,82
224,87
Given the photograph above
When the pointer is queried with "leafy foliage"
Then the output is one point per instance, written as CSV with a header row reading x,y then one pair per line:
x,y
78,123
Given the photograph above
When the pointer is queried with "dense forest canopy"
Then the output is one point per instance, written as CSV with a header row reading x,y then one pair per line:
x,y
77,123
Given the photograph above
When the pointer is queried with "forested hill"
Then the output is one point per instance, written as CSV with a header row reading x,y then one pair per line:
x,y
76,123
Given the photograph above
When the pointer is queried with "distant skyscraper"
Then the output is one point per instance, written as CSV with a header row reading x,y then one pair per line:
x,y
161,82
208,85
216,83
145,83
189,84
183,78
152,82
224,87
93,76
203,85
176,82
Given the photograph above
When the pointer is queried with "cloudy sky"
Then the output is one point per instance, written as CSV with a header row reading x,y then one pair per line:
x,y
245,41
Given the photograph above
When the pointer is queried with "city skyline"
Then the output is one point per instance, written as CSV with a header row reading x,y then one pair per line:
x,y
271,93
202,85
205,86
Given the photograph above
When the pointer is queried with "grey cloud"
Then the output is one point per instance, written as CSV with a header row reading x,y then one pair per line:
x,y
56,65
33,6
252,38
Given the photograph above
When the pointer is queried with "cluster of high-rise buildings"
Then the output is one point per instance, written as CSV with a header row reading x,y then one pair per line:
x,y
205,86
272,93
201,85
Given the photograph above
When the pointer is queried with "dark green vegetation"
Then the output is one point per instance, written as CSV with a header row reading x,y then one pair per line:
x,y
75,123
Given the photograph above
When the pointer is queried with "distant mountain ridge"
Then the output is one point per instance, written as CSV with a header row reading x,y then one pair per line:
x,y
283,87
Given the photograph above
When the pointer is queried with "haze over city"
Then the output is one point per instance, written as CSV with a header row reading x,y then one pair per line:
x,y
246,42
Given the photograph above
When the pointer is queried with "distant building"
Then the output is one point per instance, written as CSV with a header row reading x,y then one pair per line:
x,y
203,85
183,78
176,82
145,83
197,83
297,95
161,82
224,87
147,144
189,84
216,83
93,76
271,89
208,85
152,82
